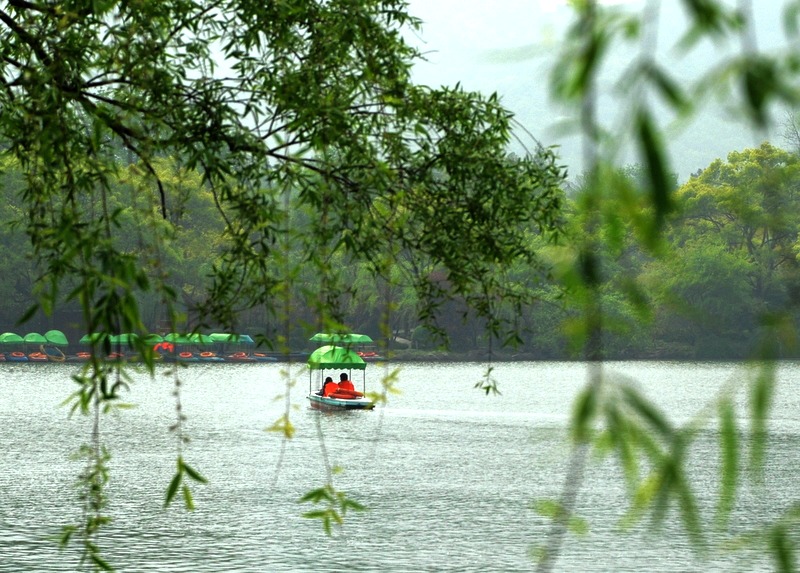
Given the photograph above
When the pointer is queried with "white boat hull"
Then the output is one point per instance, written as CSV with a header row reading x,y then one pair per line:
x,y
328,403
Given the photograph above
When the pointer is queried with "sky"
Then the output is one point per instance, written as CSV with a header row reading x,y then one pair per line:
x,y
507,46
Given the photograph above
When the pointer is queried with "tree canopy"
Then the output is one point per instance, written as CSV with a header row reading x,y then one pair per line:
x,y
280,107
299,123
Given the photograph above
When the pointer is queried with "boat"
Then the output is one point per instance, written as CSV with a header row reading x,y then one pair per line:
x,y
336,358
263,357
369,355
37,357
53,353
210,357
16,356
239,357
187,356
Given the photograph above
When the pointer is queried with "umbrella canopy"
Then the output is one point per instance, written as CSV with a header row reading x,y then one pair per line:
x,y
336,338
197,338
35,338
56,337
92,338
177,338
10,338
335,357
153,338
125,338
232,338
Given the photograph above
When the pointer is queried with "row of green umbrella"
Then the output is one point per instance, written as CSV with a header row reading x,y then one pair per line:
x,y
57,338
173,337
54,337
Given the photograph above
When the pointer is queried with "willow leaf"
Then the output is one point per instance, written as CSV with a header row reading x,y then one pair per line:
x,y
193,473
100,563
647,411
187,497
583,414
173,488
761,391
655,158
729,447
690,514
782,549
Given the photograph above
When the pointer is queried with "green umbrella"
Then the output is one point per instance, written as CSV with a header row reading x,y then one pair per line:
x,y
56,337
153,338
177,338
335,357
10,338
337,338
35,338
93,338
126,338
197,338
226,337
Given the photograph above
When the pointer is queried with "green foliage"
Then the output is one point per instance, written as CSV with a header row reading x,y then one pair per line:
x,y
91,486
718,249
179,481
335,505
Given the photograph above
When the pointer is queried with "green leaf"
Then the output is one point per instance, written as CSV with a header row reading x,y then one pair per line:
x,y
173,488
761,391
187,498
647,411
578,525
584,412
548,508
317,495
782,549
349,503
655,158
643,498
192,473
283,426
99,562
66,534
689,511
669,89
729,448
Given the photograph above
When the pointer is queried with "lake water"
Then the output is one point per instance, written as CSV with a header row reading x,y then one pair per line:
x,y
448,473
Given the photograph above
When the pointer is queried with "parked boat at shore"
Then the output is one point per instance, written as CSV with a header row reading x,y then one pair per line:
x,y
53,353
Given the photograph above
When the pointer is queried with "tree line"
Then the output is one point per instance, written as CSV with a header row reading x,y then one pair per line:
x,y
728,261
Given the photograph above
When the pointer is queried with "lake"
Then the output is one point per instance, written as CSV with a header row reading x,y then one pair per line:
x,y
448,473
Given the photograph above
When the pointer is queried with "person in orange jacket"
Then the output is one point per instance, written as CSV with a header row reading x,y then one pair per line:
x,y
344,383
329,387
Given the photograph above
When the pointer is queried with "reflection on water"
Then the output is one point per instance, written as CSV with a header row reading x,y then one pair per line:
x,y
447,472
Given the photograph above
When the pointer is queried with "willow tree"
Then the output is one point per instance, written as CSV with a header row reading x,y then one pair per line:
x,y
611,416
283,108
